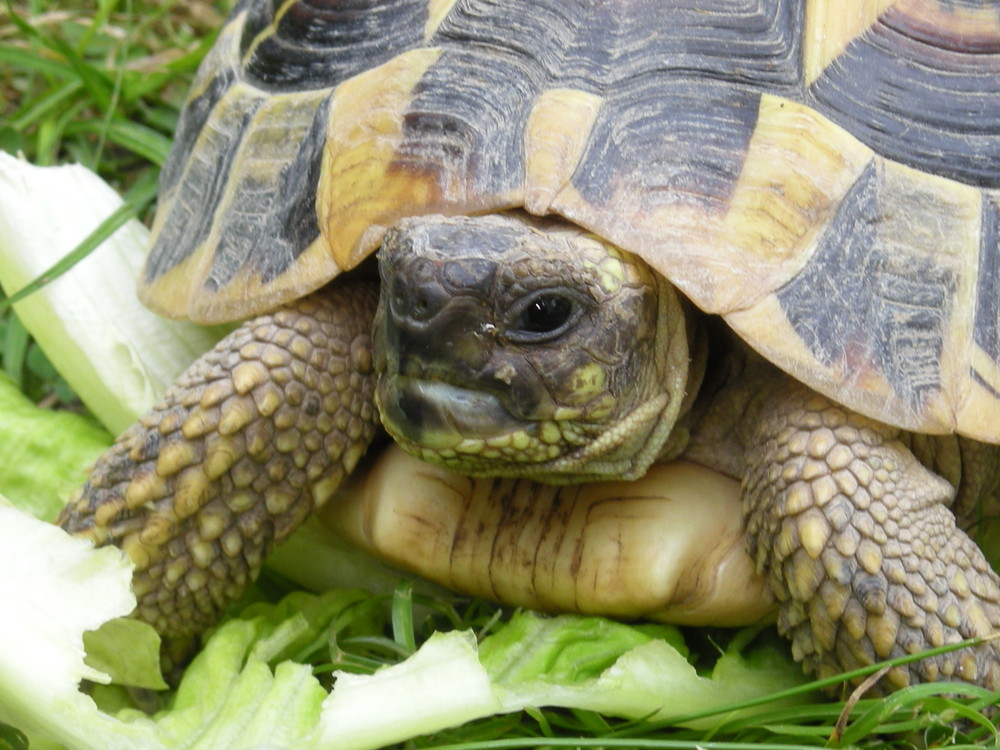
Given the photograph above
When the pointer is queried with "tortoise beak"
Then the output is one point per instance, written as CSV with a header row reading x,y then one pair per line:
x,y
439,416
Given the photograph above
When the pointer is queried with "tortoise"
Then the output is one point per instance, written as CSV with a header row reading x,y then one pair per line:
x,y
761,236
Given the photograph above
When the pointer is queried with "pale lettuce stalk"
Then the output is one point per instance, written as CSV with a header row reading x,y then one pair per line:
x,y
117,355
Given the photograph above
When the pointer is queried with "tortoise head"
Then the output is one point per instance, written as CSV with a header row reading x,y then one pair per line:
x,y
513,346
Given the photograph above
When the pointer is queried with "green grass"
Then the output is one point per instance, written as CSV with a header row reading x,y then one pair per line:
x,y
103,86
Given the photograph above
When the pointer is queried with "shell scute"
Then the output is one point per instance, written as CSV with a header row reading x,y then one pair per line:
x,y
920,85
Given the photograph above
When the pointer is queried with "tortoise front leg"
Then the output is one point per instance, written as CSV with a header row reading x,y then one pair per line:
x,y
249,440
859,545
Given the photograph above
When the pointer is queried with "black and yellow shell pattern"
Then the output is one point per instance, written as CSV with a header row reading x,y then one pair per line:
x,y
825,174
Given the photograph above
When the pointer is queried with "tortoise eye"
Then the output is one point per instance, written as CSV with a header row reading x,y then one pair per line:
x,y
543,317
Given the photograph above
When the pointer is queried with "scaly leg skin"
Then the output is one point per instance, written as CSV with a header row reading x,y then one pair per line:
x,y
249,440
861,549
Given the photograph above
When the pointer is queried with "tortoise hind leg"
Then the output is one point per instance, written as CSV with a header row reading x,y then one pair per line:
x,y
858,543
249,440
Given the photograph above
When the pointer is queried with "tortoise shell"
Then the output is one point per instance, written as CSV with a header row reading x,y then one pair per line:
x,y
823,174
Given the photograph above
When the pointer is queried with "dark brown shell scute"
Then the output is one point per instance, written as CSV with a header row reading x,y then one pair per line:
x,y
695,73
467,116
193,118
861,302
944,31
273,227
757,44
923,95
710,127
205,183
318,44
595,46
986,329
314,46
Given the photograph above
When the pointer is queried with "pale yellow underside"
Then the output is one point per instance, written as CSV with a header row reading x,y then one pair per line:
x,y
668,547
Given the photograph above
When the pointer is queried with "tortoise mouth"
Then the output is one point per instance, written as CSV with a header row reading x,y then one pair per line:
x,y
439,416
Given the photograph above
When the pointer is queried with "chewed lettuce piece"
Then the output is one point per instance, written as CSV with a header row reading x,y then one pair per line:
x,y
54,588
535,661
442,685
242,690
637,672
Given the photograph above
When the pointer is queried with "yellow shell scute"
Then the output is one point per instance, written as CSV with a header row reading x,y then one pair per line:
x,y
361,187
799,165
190,288
979,408
437,11
830,25
554,140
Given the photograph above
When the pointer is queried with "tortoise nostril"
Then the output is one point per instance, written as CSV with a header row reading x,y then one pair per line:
x,y
419,300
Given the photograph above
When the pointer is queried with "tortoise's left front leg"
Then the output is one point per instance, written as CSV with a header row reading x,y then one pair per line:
x,y
859,544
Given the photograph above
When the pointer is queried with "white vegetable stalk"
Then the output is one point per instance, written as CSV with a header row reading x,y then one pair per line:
x,y
117,355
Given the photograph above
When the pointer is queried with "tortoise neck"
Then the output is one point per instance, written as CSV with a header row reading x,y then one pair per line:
x,y
699,352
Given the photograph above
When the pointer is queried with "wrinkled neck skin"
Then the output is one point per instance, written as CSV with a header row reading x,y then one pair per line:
x,y
726,402
508,345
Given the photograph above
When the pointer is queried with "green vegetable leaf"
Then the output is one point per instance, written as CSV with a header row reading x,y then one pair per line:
x,y
128,651
442,685
622,670
45,453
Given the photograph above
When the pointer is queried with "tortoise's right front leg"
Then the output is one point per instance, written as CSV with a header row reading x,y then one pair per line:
x,y
251,438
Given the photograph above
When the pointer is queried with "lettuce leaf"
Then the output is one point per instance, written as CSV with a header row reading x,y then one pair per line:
x,y
45,453
636,672
54,588
442,685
